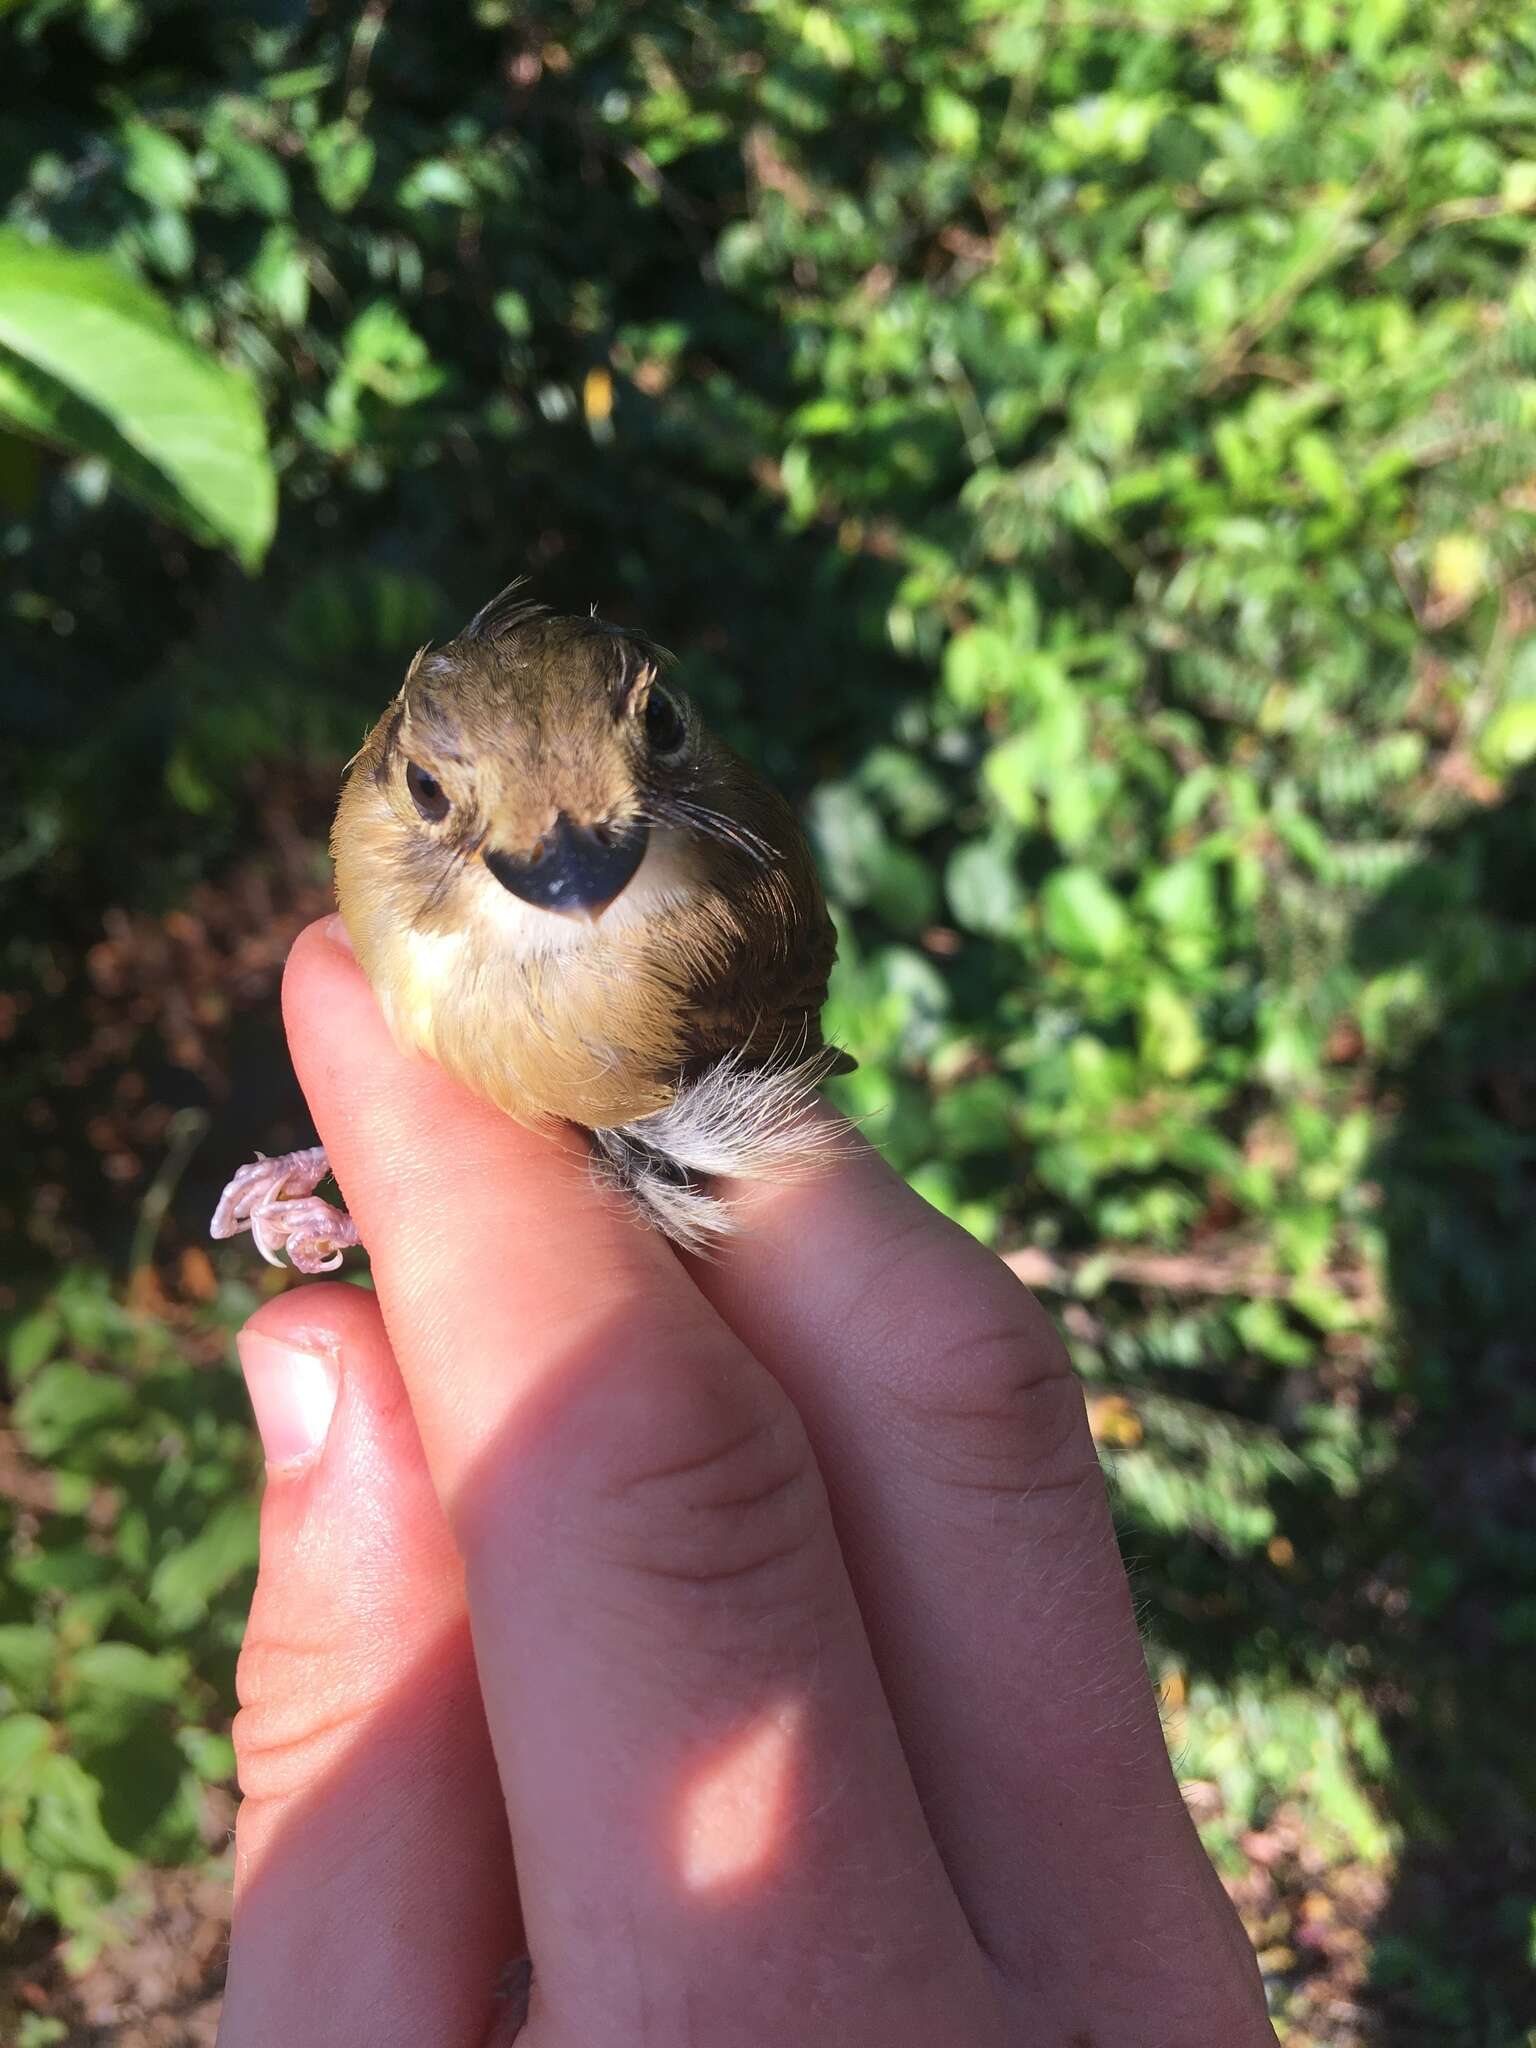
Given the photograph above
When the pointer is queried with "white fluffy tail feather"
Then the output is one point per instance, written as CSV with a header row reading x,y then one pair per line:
x,y
730,1122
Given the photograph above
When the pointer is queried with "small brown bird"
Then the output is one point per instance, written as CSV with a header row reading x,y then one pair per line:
x,y
582,905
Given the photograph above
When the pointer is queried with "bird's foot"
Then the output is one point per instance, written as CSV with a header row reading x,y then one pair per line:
x,y
275,1200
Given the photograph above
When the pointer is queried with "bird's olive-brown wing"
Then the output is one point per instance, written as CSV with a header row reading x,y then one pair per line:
x,y
763,997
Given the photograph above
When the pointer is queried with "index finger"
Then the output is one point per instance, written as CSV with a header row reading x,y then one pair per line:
x,y
698,1761
978,1535
493,1250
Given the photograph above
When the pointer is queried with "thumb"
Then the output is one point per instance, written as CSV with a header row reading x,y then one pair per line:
x,y
370,1850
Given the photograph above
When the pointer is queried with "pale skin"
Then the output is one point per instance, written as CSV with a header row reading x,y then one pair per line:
x,y
770,1607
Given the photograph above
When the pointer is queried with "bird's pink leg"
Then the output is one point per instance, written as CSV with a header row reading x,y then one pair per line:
x,y
275,1200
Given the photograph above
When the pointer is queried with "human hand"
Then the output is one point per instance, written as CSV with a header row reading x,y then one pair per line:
x,y
770,1607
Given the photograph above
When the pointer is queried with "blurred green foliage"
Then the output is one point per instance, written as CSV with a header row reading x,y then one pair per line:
x,y
117,1657
1088,454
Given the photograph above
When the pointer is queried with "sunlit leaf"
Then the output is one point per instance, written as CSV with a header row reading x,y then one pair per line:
x,y
90,358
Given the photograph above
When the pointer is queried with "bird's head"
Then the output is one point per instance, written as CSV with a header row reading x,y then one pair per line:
x,y
560,884
542,752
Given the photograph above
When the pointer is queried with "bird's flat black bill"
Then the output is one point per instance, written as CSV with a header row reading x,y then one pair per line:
x,y
575,869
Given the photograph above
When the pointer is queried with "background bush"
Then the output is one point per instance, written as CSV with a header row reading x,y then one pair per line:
x,y
1088,455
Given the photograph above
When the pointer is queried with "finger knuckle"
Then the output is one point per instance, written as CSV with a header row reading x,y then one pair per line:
x,y
994,1407
291,1719
712,1484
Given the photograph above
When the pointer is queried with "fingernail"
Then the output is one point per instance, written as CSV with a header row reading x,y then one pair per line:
x,y
336,932
294,1395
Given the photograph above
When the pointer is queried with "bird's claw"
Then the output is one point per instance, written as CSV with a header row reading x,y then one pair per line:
x,y
275,1200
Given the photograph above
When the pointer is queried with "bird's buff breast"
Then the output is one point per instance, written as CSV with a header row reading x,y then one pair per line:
x,y
543,1015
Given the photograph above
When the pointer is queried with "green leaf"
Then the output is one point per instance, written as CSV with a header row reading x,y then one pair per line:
x,y
513,311
33,1342
1182,896
93,360
24,1738
186,1579
253,175
66,1831
1268,104
824,34
975,1117
343,159
150,1795
1510,739
124,1676
977,667
903,890
1263,1325
27,1657
298,83
983,887
1083,915
1011,772
279,276
39,2030
1171,1039
953,121
849,839
386,355
917,993
909,790
64,1403
436,182
210,1754
159,169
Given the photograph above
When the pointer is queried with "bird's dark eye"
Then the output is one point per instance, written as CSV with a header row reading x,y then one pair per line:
x,y
427,793
665,729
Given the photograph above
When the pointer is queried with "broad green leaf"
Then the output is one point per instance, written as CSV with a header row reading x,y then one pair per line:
x,y
513,311
983,886
253,175
33,1342
437,182
28,1655
211,1755
109,1687
849,838
159,168
1170,1032
909,790
91,359
1182,896
1510,740
953,121
976,1117
298,83
903,889
63,1403
40,2030
343,160
827,37
279,276
65,1830
24,1738
187,1578
1011,772
977,666
918,994
150,1795
1083,915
